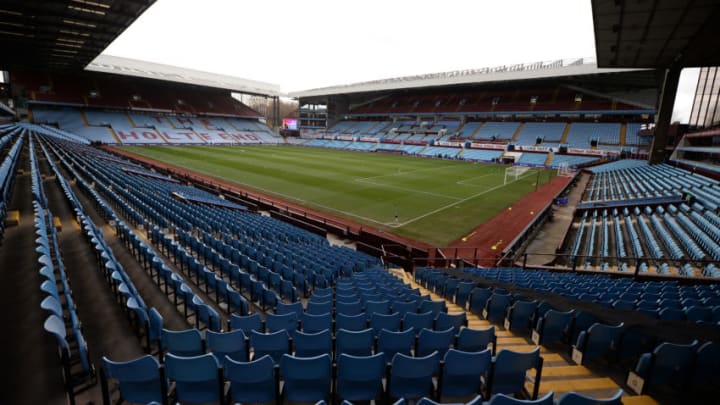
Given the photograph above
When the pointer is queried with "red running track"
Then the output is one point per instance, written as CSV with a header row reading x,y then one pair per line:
x,y
490,238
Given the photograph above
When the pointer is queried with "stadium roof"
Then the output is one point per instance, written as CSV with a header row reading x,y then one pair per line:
x,y
528,71
54,35
157,71
657,33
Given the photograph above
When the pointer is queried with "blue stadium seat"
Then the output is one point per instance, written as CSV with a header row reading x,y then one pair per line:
x,y
232,345
306,379
669,363
252,382
463,373
360,378
412,377
312,344
356,343
139,380
392,343
508,373
198,379
573,398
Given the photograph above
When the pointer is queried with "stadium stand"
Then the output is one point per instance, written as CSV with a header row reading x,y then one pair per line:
x,y
225,304
652,221
119,127
229,254
98,90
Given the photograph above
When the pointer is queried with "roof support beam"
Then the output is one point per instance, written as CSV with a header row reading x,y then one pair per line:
x,y
665,109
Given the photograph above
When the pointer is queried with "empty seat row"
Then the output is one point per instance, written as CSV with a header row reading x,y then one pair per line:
x,y
202,378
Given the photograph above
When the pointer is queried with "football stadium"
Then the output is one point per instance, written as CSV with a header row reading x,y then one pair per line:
x,y
544,232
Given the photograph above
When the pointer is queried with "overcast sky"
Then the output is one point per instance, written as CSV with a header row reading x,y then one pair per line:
x,y
316,43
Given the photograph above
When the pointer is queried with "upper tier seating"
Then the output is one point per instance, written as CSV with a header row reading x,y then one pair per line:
x,y
112,127
548,132
581,133
497,131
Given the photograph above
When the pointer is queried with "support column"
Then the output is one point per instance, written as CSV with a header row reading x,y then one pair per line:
x,y
276,119
664,114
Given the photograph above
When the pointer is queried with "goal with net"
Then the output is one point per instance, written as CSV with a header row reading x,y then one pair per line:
x,y
512,173
565,170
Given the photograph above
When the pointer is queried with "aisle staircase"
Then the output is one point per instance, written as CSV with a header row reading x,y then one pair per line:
x,y
517,131
559,373
472,136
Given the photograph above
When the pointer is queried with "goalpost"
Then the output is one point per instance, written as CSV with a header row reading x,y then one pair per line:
x,y
564,170
512,173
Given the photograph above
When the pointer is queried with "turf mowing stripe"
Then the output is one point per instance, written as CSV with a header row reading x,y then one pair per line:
x,y
456,203
435,201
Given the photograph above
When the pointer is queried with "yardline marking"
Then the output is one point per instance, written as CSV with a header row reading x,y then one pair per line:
x,y
394,225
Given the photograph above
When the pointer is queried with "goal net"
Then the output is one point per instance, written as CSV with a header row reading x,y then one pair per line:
x,y
512,173
564,170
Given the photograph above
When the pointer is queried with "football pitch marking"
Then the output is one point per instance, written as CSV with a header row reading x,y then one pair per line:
x,y
385,221
411,190
368,180
391,224
403,172
468,181
300,200
435,211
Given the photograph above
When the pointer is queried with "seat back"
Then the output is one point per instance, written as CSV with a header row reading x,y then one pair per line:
x,y
348,308
306,379
356,343
247,323
599,340
391,343
252,382
707,365
273,344
462,371
462,294
381,307
231,344
351,322
478,299
390,322
312,344
500,399
418,321
435,307
520,313
672,363
404,307
455,321
475,340
185,343
573,398
276,322
430,341
197,378
359,378
554,325
139,380
411,377
509,370
497,306
580,322
296,308
315,323
319,308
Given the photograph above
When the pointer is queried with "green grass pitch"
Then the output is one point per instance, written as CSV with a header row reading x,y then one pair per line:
x,y
435,201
